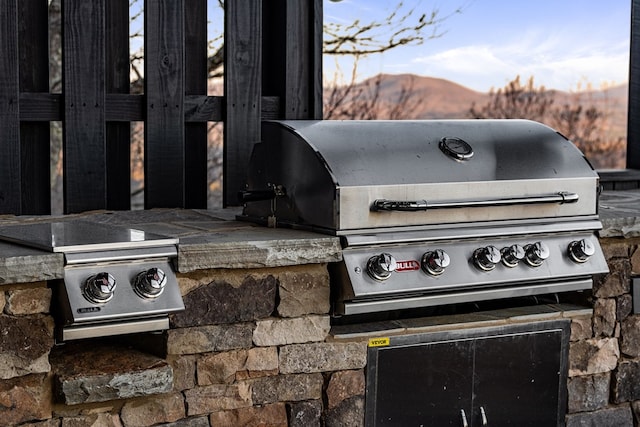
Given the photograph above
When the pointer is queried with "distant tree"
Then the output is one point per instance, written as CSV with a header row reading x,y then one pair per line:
x,y
584,125
363,101
516,101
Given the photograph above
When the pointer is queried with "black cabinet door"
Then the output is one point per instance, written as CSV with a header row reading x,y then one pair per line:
x,y
506,376
423,385
517,379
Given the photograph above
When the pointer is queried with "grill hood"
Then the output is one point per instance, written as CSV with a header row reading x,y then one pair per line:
x,y
351,176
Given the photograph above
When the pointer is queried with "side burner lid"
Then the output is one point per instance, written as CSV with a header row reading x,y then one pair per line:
x,y
81,236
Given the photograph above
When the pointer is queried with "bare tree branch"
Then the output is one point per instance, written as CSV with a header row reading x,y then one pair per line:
x,y
397,29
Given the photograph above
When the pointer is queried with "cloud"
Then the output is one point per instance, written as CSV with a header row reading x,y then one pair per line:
x,y
553,61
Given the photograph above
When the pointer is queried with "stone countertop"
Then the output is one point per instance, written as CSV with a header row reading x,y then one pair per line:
x,y
207,239
215,239
620,213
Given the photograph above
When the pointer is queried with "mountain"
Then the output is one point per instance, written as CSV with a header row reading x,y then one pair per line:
x,y
443,99
435,98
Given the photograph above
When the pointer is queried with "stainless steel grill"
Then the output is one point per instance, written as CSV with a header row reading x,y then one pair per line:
x,y
433,212
116,280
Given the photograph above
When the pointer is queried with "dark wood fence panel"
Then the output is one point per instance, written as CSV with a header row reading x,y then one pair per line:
x,y
164,89
300,62
292,46
96,107
34,77
118,134
83,85
196,84
633,123
10,174
242,91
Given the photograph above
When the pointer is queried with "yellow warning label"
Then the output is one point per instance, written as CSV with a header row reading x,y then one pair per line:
x,y
378,342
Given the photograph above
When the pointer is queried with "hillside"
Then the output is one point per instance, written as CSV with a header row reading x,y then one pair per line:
x,y
440,98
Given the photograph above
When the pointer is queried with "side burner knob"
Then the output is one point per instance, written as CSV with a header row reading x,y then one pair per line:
x,y
150,283
581,250
512,255
381,266
536,253
99,288
486,258
435,262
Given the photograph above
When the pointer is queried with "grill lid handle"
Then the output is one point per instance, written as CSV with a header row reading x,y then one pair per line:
x,y
260,195
561,197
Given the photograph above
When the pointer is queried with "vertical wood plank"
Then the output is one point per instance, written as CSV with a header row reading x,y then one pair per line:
x,y
33,42
316,68
633,123
10,185
118,134
242,89
83,83
292,49
196,84
164,89
298,66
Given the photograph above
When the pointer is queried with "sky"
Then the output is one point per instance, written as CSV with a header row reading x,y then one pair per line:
x,y
567,45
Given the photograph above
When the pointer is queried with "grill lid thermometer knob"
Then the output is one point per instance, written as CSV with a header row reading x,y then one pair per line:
x,y
536,253
512,255
486,258
581,250
435,262
150,283
381,266
99,288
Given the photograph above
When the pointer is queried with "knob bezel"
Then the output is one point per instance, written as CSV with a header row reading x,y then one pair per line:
x,y
536,253
380,267
93,291
435,262
143,284
512,255
581,250
486,258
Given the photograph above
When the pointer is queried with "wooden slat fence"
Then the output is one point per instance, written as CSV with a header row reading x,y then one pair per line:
x,y
272,70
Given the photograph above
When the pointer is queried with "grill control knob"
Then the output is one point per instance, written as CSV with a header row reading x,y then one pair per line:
x,y
486,258
99,288
435,262
581,250
536,253
150,283
512,255
381,266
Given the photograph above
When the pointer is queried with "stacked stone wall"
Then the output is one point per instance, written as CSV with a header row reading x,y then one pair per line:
x,y
254,347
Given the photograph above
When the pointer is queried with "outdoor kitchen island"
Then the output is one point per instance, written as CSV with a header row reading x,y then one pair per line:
x,y
255,346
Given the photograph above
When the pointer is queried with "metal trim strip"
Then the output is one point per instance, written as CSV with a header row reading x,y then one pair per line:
x,y
120,255
378,237
366,307
102,330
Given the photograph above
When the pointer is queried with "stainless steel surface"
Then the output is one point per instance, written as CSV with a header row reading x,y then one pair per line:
x,y
423,205
332,172
108,329
118,255
116,280
402,303
635,291
79,236
126,303
354,285
433,212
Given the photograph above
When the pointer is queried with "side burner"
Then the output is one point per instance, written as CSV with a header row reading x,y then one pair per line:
x,y
116,280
